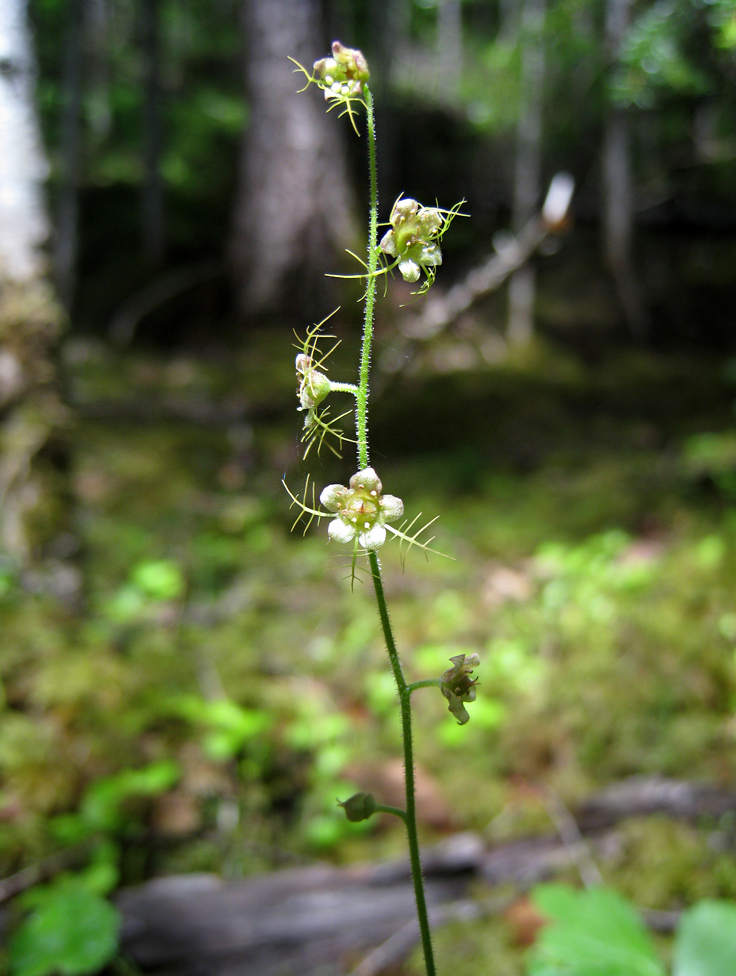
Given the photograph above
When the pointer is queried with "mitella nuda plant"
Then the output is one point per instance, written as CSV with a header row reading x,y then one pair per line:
x,y
360,514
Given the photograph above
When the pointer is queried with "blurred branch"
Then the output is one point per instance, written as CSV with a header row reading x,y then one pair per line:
x,y
161,290
571,836
511,252
396,948
16,884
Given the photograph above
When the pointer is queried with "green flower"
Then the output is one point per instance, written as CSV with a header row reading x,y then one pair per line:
x,y
361,509
458,687
413,238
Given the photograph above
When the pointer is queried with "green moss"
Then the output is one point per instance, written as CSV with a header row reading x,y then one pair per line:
x,y
469,948
666,864
613,656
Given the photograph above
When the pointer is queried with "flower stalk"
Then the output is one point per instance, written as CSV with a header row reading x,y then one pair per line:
x,y
360,513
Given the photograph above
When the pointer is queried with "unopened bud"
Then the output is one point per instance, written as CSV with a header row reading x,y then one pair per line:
x,y
359,807
313,388
303,363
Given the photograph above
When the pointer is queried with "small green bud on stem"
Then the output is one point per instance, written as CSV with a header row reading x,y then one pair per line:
x,y
359,807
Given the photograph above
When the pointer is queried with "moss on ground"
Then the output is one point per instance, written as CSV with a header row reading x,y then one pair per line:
x,y
594,572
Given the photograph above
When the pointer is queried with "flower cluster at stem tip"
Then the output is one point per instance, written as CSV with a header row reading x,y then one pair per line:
x,y
412,238
362,510
342,75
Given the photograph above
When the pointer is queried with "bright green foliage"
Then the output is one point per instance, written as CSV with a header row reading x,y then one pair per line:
x,y
71,930
229,726
595,933
722,16
102,808
151,582
654,63
706,940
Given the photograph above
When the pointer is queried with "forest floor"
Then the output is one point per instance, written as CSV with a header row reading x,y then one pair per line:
x,y
590,515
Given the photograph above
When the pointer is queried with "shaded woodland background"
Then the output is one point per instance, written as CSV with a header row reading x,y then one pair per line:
x,y
185,685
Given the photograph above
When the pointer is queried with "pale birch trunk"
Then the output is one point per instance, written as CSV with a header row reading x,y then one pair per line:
x,y
67,209
31,415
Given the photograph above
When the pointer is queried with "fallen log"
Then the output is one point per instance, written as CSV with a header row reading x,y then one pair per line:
x,y
324,919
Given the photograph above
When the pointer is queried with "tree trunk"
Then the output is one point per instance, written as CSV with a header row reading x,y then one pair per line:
x,y
294,213
32,515
152,200
449,49
618,197
528,163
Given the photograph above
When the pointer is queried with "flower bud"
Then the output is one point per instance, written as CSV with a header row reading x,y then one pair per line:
x,y
391,507
359,807
303,363
352,60
366,480
313,385
333,497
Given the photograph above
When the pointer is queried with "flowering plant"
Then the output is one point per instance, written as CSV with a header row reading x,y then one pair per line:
x,y
360,514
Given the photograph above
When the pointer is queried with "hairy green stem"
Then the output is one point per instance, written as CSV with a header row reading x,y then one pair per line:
x,y
343,388
361,413
396,811
424,683
411,815
361,419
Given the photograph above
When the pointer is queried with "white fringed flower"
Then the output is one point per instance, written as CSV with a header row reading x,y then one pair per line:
x,y
361,510
412,238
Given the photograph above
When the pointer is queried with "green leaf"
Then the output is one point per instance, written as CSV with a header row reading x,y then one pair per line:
x,y
159,579
706,940
72,932
593,933
101,806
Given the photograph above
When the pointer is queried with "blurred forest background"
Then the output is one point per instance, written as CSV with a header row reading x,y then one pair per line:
x,y
187,686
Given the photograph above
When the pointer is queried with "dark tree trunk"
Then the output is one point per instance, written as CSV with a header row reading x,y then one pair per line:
x,y
388,25
152,200
294,213
618,195
32,419
449,48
